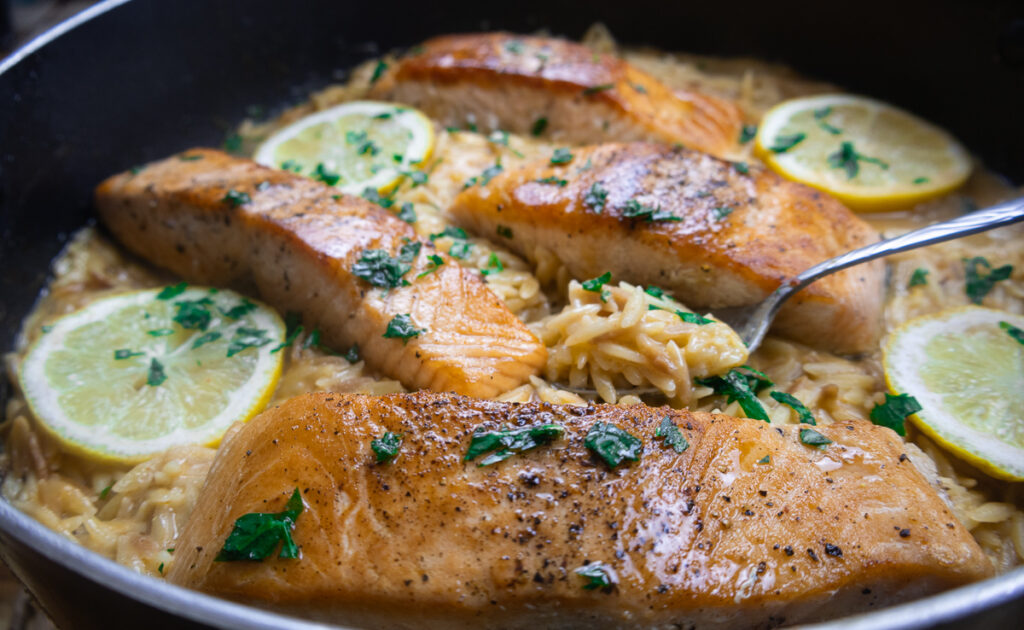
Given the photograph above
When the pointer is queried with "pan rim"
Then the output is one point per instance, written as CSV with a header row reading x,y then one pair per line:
x,y
202,608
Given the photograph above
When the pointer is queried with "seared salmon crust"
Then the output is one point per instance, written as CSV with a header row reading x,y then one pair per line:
x,y
554,88
748,526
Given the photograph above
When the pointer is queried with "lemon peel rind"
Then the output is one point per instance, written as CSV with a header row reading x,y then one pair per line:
x,y
1001,460
95,443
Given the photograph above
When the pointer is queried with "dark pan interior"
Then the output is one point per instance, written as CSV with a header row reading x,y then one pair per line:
x,y
149,78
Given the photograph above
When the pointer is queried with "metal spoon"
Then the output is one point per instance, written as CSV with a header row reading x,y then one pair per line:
x,y
752,322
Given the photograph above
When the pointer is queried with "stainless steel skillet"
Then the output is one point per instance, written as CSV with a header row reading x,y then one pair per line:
x,y
135,80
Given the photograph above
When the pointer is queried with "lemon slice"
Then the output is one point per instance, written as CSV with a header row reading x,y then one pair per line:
x,y
354,146
134,374
967,373
871,155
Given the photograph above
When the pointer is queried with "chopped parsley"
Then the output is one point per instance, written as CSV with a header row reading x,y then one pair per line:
x,y
352,354
747,133
894,411
978,284
802,412
235,198
433,262
485,177
820,115
639,88
810,437
507,441
720,212
322,174
386,446
693,318
597,574
206,338
408,252
377,267
418,178
190,158
355,137
918,278
741,167
594,89
256,535
654,291
156,375
313,340
378,71
460,249
407,213
245,338
239,310
1013,331
504,231
673,437
921,180
370,194
401,327
293,328
104,493
552,180
612,444
849,159
786,142
539,126
562,155
450,231
596,197
194,314
596,285
636,210
767,459
493,265
160,332
741,384
291,165
126,353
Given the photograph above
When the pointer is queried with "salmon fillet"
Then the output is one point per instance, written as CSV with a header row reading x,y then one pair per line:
x,y
512,82
712,235
297,241
715,536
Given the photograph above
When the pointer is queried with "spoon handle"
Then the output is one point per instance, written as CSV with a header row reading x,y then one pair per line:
x,y
753,325
995,216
